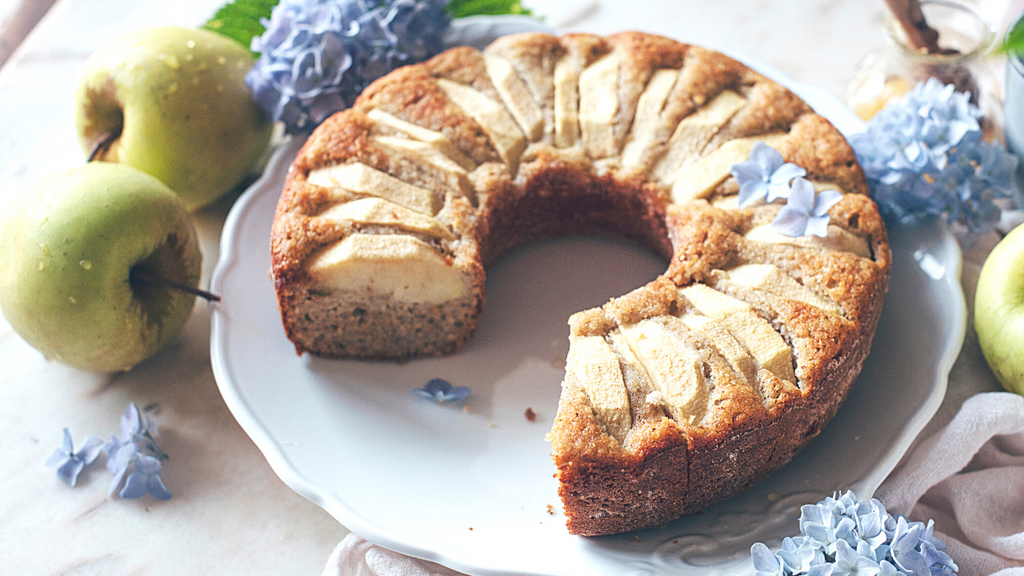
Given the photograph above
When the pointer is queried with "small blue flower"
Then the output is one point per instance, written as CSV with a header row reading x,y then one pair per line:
x,y
903,549
804,212
145,479
764,175
69,464
119,457
850,563
799,558
441,391
134,429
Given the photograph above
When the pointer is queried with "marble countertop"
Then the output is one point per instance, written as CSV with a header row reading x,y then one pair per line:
x,y
230,513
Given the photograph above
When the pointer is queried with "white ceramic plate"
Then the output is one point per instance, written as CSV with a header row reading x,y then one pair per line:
x,y
473,488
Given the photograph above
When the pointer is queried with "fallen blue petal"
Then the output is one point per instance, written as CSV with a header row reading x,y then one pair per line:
x,y
441,391
145,480
69,463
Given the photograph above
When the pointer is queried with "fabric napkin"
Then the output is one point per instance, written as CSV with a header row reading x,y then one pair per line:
x,y
356,557
968,477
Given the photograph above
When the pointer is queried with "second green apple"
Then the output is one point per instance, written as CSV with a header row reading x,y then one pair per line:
x,y
173,102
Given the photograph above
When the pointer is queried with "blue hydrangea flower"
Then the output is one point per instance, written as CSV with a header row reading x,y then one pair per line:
x,y
805,212
316,56
441,391
145,479
69,464
924,158
843,536
764,175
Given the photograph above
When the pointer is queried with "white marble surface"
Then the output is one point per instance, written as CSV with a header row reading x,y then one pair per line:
x,y
230,514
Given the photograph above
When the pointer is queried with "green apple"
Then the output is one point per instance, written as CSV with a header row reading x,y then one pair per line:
x,y
88,262
999,310
173,102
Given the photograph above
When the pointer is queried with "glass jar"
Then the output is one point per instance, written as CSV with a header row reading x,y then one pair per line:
x,y
1013,113
895,69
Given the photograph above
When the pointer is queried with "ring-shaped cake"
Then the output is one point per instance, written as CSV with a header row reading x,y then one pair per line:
x,y
676,395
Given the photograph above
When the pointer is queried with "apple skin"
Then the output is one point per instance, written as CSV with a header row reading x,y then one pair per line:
x,y
999,310
179,100
73,247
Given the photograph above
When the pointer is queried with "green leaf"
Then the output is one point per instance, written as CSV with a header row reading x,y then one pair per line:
x,y
1014,41
240,20
463,8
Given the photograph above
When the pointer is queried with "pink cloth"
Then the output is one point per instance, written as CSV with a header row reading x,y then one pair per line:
x,y
356,557
968,477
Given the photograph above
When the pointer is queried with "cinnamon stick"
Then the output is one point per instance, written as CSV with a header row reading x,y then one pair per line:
x,y
920,35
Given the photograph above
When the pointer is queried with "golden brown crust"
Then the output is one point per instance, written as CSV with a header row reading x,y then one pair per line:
x,y
753,420
412,94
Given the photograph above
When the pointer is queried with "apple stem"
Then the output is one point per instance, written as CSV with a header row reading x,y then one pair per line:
x,y
104,143
154,279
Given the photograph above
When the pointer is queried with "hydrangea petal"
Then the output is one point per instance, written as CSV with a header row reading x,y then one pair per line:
x,y
91,448
156,488
746,171
131,421
135,486
824,201
765,563
779,186
787,172
768,158
67,443
778,190
121,460
147,464
441,391
817,226
751,191
56,459
801,197
821,570
790,221
69,471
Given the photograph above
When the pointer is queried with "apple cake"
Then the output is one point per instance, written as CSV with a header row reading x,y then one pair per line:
x,y
676,395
